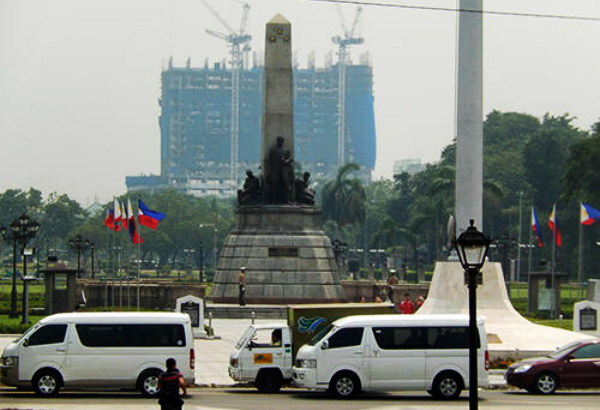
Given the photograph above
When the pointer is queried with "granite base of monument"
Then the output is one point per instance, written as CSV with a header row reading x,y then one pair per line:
x,y
288,258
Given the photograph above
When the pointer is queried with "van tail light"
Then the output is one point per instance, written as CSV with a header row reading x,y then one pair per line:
x,y
487,360
193,359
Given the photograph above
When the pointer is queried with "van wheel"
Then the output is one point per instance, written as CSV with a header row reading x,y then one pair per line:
x,y
47,382
344,385
545,383
269,381
447,386
148,382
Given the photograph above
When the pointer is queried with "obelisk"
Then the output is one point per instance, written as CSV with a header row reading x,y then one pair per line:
x,y
278,107
279,241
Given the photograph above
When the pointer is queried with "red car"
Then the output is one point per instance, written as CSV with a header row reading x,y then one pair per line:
x,y
576,365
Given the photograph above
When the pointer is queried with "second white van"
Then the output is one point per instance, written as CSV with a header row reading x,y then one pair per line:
x,y
392,352
99,350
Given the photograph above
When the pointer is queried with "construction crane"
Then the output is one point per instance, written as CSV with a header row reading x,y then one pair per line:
x,y
239,46
349,38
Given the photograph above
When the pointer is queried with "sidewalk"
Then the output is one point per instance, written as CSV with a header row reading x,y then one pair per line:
x,y
212,355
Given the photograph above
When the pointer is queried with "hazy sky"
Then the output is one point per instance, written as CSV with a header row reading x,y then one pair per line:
x,y
80,79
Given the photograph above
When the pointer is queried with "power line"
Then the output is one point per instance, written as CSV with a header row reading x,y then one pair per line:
x,y
454,10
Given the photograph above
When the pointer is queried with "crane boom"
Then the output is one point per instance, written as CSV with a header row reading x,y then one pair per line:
x,y
348,38
238,42
218,16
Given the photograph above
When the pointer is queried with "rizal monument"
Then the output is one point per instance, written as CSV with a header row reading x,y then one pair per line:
x,y
278,237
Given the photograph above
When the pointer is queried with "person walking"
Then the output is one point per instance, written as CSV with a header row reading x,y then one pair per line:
x,y
170,383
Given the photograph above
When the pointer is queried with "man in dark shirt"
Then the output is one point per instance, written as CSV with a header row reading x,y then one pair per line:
x,y
169,383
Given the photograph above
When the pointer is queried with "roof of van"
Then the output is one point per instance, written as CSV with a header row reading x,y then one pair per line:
x,y
413,320
119,317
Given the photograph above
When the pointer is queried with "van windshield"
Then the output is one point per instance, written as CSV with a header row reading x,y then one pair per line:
x,y
245,336
322,333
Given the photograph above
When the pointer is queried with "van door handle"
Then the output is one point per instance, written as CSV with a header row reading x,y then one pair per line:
x,y
61,349
358,353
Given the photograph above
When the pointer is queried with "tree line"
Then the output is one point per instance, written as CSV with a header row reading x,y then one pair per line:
x,y
528,161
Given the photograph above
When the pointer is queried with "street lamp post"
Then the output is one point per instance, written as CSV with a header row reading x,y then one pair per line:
x,y
22,230
79,244
201,273
471,247
215,232
92,254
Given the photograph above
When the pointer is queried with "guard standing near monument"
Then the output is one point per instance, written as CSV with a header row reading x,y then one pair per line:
x,y
242,284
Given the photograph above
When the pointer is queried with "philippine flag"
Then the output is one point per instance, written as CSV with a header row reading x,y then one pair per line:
x,y
535,225
135,236
148,217
553,224
109,221
117,211
589,215
125,217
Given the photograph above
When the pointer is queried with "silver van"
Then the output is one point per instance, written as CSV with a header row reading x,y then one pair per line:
x,y
392,352
99,350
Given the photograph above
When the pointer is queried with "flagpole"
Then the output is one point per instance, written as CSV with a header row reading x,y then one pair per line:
x,y
553,266
580,261
128,247
529,266
138,274
107,271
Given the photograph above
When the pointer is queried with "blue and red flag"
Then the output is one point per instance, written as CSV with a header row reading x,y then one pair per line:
x,y
553,224
589,215
148,217
535,225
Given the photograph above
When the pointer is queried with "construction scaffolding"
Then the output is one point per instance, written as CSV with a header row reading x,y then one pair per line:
x,y
197,118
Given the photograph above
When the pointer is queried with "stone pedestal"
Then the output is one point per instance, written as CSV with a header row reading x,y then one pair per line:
x,y
288,258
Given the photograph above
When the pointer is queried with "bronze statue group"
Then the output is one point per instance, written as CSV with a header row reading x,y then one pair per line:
x,y
277,184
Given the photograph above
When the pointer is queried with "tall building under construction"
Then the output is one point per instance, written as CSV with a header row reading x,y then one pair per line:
x,y
198,113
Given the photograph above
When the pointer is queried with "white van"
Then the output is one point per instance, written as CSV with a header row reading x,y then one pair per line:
x,y
99,350
392,352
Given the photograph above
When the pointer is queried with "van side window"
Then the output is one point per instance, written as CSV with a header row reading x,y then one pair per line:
x,y
396,338
449,338
124,335
48,334
351,336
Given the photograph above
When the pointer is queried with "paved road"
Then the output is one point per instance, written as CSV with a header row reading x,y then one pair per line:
x,y
296,399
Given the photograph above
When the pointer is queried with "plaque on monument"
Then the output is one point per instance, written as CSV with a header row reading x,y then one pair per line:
x,y
192,309
281,252
587,319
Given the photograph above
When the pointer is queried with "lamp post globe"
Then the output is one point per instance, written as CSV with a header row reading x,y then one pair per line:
x,y
472,247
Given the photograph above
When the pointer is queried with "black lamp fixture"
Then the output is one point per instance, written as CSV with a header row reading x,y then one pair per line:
x,y
20,231
472,247
79,244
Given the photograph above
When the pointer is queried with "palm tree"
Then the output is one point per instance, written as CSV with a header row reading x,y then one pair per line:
x,y
343,199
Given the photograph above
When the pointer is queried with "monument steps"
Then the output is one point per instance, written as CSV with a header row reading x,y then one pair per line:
x,y
230,311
